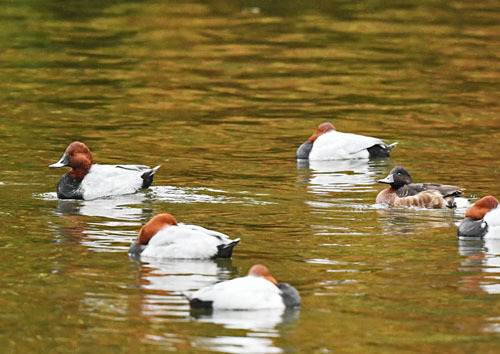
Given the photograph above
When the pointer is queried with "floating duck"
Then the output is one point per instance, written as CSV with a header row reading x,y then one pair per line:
x,y
258,290
403,192
163,237
482,220
329,144
87,180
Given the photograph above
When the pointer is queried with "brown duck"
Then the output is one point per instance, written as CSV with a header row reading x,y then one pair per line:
x,y
403,192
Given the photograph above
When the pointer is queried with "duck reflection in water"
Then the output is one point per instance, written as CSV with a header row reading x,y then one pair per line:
x,y
123,207
340,175
172,276
399,221
105,232
482,258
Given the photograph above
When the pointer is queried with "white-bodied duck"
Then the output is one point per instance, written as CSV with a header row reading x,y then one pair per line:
x,y
163,237
87,180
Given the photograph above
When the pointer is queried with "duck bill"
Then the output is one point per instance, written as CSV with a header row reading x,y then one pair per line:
x,y
64,161
272,279
388,180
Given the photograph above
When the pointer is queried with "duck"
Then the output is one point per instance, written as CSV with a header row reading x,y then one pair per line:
x,y
257,291
164,237
87,180
482,220
403,192
329,144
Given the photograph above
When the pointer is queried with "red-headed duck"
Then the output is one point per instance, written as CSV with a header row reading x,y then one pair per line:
x,y
403,192
87,180
482,220
329,144
164,237
257,291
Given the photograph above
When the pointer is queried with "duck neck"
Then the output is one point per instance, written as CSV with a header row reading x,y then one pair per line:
x,y
81,165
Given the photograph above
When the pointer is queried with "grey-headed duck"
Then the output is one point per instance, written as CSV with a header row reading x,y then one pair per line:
x,y
403,192
329,144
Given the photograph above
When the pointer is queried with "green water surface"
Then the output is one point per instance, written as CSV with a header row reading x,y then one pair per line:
x,y
221,93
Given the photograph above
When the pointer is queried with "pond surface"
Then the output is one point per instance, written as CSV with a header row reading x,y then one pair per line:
x,y
221,93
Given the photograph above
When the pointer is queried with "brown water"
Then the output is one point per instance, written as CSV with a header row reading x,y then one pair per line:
x,y
221,93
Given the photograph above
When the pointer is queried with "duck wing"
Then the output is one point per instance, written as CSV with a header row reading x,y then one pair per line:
x,y
247,293
188,242
336,146
445,189
146,172
415,188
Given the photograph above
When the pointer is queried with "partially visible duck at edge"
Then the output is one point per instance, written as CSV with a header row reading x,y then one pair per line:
x,y
482,220
403,192
164,237
257,291
329,144
87,180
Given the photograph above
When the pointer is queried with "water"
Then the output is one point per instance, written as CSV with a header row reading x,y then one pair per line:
x,y
221,94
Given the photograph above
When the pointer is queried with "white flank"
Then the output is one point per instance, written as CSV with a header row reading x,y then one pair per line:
x,y
247,293
493,220
109,180
185,242
335,145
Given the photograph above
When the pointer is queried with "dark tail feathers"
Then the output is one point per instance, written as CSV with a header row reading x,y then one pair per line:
x,y
147,177
377,151
226,250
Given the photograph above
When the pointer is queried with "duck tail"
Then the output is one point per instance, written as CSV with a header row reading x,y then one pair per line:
x,y
147,177
200,304
226,250
381,150
391,146
450,196
197,303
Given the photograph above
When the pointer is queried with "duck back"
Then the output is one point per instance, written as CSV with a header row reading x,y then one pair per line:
x,y
416,188
335,145
108,180
247,293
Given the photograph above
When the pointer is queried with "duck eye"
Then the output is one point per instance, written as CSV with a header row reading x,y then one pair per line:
x,y
399,173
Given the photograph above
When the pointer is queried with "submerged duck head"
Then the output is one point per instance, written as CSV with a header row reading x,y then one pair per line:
x,y
260,270
397,178
482,207
322,129
78,157
153,226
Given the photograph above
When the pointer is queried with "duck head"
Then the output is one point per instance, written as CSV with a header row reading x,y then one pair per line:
x,y
322,129
153,226
482,207
259,270
397,178
78,157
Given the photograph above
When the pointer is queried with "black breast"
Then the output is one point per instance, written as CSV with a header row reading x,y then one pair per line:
x,y
472,228
291,296
67,188
304,150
